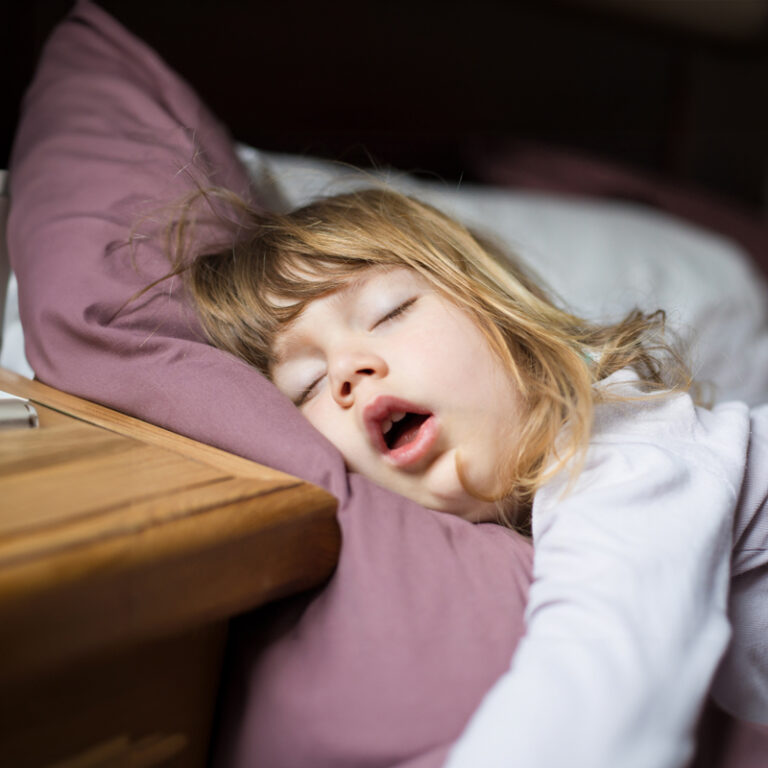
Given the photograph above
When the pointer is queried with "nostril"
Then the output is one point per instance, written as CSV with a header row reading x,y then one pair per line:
x,y
346,387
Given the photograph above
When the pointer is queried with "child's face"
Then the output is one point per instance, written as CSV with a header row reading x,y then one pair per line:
x,y
388,344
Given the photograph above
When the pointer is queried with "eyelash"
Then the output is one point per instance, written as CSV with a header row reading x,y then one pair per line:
x,y
396,312
304,396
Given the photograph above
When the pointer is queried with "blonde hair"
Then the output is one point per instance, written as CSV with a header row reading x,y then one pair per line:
x,y
248,291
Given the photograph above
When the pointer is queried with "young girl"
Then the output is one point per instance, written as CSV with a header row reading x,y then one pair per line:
x,y
441,370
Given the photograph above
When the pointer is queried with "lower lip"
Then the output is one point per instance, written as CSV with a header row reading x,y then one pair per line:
x,y
418,448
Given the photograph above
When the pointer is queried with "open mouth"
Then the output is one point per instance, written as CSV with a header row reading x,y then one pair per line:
x,y
402,428
403,432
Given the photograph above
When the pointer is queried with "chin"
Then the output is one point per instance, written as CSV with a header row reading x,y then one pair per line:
x,y
461,504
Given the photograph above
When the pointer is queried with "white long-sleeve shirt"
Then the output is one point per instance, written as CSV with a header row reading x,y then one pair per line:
x,y
627,614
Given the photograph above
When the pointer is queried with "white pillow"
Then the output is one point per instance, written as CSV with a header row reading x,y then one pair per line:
x,y
11,336
12,355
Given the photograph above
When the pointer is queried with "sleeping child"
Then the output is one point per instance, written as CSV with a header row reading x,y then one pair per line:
x,y
442,370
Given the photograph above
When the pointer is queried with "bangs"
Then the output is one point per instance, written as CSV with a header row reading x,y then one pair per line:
x,y
290,282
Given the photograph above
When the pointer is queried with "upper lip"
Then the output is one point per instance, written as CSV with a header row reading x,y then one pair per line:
x,y
380,409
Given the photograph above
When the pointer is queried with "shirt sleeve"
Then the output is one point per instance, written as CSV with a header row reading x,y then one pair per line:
x,y
626,619
741,684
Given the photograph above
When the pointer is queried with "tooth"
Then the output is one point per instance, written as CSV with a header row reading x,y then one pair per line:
x,y
399,416
386,425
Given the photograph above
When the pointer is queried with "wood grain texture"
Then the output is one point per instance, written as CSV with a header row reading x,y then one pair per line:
x,y
109,536
124,550
97,414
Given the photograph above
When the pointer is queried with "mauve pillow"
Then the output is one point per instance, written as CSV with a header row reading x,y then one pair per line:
x,y
386,664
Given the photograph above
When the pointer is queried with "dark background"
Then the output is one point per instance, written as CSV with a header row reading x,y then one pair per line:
x,y
675,87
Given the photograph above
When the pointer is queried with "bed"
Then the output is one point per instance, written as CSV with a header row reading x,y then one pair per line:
x,y
108,132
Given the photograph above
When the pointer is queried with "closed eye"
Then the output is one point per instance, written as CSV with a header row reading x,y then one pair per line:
x,y
307,393
397,311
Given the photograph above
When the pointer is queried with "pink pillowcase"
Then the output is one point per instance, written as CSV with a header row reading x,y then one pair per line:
x,y
386,664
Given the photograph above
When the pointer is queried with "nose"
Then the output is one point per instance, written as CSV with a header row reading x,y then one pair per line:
x,y
348,369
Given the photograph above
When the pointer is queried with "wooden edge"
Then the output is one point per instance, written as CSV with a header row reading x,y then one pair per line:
x,y
129,426
163,581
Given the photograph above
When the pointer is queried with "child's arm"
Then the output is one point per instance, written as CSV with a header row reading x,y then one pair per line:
x,y
626,619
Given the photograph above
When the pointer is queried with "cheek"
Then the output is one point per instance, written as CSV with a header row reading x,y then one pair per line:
x,y
464,357
319,417
332,425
